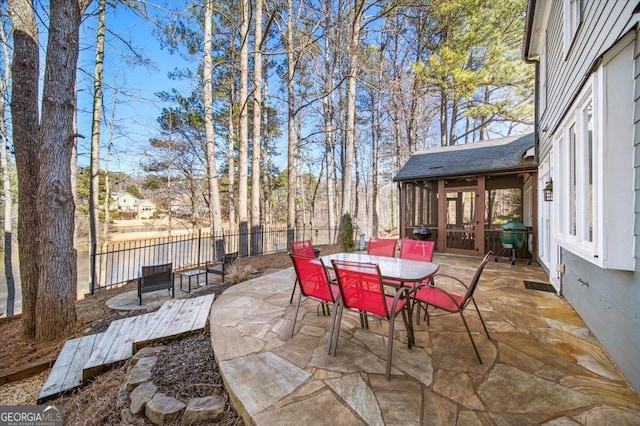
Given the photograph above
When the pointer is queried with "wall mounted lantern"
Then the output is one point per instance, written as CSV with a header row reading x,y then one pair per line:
x,y
548,190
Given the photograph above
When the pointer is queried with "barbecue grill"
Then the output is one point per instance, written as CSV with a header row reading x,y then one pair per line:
x,y
513,235
422,233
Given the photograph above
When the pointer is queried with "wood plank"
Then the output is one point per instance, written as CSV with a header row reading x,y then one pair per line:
x,y
157,326
162,326
54,382
100,353
201,318
118,348
153,323
61,378
74,372
184,318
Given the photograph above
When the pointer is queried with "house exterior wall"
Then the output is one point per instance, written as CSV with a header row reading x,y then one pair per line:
x,y
602,23
603,288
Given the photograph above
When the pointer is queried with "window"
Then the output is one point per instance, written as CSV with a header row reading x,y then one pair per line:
x,y
422,204
572,19
577,161
593,183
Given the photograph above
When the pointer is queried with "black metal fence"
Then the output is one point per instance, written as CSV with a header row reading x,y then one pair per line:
x,y
117,263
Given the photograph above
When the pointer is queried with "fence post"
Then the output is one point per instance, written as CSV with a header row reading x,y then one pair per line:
x,y
93,267
199,242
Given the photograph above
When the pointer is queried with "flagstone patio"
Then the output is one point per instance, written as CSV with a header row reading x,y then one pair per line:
x,y
541,366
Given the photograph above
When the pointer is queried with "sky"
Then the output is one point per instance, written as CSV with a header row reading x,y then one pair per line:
x,y
136,105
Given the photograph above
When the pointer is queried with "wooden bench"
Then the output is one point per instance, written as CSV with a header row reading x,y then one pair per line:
x,y
154,278
221,267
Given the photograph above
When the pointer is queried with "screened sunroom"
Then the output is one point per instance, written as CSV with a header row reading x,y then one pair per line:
x,y
483,185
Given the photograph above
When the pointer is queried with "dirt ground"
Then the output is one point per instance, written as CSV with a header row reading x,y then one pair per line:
x,y
102,394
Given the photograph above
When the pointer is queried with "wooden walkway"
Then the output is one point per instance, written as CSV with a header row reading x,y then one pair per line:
x,y
84,358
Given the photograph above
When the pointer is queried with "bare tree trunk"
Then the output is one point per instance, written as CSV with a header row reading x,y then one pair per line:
x,y
256,246
266,176
243,131
231,160
94,188
215,213
25,118
444,140
6,181
484,131
452,121
327,105
57,286
352,70
292,145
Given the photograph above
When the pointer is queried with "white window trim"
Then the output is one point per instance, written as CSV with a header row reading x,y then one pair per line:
x,y
578,243
571,22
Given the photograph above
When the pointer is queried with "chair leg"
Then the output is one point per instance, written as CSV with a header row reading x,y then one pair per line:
x,y
293,290
392,321
333,342
295,317
481,320
471,337
409,327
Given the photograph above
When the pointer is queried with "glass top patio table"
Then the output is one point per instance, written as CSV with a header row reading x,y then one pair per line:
x,y
391,268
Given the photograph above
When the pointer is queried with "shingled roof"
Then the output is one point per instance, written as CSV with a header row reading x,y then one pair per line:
x,y
480,158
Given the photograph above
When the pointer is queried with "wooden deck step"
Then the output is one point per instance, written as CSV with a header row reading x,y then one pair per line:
x,y
116,344
66,373
178,318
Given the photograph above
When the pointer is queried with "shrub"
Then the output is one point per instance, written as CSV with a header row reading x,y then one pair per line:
x,y
345,234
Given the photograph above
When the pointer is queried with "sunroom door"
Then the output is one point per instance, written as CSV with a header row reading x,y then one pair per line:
x,y
461,210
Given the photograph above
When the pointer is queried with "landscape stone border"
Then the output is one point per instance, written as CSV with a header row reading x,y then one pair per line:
x,y
144,399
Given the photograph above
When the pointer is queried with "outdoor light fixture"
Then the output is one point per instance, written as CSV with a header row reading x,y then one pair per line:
x,y
548,190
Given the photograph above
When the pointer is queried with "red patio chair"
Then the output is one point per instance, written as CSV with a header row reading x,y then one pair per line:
x,y
417,250
382,247
301,248
314,282
361,289
453,302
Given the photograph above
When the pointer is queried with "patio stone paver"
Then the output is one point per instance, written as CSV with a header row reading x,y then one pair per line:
x,y
355,392
277,379
541,366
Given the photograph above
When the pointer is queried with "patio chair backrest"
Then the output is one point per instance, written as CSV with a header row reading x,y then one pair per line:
x,y
156,274
312,277
302,248
382,247
475,280
417,250
361,286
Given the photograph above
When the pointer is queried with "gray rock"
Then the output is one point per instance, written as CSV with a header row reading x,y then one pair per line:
x,y
146,352
141,395
162,409
203,410
141,372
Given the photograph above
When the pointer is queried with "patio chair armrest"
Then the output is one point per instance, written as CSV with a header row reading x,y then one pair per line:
x,y
451,277
402,292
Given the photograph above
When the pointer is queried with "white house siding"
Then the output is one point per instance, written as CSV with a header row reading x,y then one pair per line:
x,y
608,300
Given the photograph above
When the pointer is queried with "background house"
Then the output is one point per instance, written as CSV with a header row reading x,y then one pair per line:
x,y
130,207
483,185
586,55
